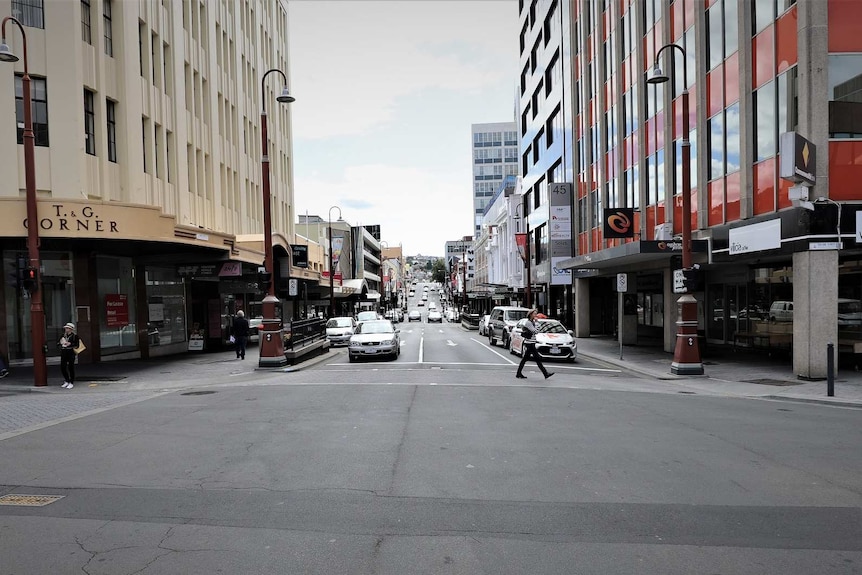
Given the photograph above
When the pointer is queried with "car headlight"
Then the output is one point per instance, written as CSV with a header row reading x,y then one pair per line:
x,y
355,344
387,342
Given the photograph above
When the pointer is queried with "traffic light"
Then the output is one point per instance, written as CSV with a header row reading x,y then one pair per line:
x,y
30,279
264,279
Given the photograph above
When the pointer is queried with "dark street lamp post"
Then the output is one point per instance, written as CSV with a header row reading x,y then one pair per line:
x,y
383,301
686,355
271,339
331,268
37,311
519,217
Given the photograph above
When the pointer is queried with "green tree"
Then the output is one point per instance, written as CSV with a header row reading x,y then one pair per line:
x,y
438,272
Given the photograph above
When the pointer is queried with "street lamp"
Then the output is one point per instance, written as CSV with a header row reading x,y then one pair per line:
x,y
686,355
519,216
271,337
382,270
331,267
37,311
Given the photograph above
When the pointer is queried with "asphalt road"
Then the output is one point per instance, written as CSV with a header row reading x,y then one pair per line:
x,y
439,465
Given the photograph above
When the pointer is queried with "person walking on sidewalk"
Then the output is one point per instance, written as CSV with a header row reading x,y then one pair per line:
x,y
529,330
68,342
240,334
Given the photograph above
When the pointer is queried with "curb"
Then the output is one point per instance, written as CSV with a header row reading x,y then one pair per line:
x,y
836,403
619,365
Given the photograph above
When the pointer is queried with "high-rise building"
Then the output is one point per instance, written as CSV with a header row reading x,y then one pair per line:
x,y
147,121
495,156
752,72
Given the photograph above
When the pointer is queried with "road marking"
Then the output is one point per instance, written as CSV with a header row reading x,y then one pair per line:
x,y
397,365
421,348
450,342
486,346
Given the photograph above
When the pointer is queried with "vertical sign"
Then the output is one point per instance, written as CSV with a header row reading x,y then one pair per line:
x,y
117,309
560,227
337,245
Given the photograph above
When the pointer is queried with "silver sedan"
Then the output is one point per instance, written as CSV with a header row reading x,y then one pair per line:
x,y
375,338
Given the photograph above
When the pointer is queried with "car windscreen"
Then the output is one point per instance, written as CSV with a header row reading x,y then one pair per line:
x,y
551,327
515,314
376,327
339,322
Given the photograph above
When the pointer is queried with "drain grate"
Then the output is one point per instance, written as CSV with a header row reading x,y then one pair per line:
x,y
776,382
198,393
22,500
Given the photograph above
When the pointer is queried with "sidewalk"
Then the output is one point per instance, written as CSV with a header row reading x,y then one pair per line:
x,y
743,373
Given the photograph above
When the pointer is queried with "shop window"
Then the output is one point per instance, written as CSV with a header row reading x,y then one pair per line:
x,y
116,305
166,306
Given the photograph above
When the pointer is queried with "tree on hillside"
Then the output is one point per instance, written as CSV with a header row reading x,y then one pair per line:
x,y
438,272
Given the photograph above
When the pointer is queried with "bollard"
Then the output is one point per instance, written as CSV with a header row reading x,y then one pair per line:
x,y
830,370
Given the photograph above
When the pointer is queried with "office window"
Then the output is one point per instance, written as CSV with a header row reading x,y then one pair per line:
x,y
111,115
38,108
168,137
29,13
141,32
716,146
157,155
145,128
845,96
89,123
765,121
109,27
86,32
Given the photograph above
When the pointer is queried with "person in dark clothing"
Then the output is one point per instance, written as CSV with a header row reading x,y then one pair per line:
x,y
240,333
68,342
529,350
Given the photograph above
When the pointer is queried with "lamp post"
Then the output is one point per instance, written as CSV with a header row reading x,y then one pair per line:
x,y
686,355
382,270
331,267
271,338
37,311
519,216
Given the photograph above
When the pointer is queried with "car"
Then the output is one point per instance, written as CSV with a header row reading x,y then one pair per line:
x,y
425,297
339,330
553,340
421,303
374,338
781,310
414,315
254,325
483,324
503,319
432,305
451,314
366,316
434,315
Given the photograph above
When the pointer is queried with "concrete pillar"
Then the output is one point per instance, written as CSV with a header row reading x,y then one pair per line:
x,y
815,311
582,307
671,311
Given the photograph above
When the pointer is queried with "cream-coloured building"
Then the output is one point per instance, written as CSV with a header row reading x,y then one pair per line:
x,y
147,122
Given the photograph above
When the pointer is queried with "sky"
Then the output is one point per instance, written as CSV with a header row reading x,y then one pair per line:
x,y
386,93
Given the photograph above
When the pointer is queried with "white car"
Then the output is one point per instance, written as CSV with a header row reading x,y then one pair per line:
x,y
553,340
435,315
339,330
374,338
366,316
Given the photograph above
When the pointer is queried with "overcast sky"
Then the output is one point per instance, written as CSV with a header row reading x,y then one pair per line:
x,y
386,92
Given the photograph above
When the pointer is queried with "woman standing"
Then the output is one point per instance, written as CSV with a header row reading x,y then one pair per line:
x,y
67,344
529,350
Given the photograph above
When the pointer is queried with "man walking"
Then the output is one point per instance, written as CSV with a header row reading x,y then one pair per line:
x,y
240,333
529,349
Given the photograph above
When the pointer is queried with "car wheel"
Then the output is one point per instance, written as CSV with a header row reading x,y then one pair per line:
x,y
506,341
491,338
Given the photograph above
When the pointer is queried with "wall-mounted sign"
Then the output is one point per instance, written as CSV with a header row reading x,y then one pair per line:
x,y
619,223
755,237
299,255
798,158
117,309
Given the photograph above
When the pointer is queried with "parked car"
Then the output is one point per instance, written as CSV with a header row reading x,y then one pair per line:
x,y
849,312
366,316
374,338
503,319
483,324
553,340
414,315
339,330
781,311
434,315
421,303
254,328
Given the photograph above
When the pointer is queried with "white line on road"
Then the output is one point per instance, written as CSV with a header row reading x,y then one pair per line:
x,y
421,348
450,342
483,344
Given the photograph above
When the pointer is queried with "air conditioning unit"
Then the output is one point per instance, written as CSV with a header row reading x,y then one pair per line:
x,y
664,231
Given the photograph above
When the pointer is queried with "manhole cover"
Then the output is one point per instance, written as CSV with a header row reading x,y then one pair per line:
x,y
22,500
776,382
198,393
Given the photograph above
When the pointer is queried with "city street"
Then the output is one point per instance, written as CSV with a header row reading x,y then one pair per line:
x,y
438,462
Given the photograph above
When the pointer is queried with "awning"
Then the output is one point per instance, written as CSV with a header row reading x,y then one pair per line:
x,y
372,295
632,253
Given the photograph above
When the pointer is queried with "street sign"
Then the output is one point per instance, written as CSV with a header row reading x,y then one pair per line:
x,y
622,283
292,287
679,281
819,246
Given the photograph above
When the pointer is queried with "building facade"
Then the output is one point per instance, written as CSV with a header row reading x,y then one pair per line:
x,y
752,71
495,156
147,122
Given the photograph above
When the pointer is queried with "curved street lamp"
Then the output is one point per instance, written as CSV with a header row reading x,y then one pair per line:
x,y
331,267
37,311
271,337
686,355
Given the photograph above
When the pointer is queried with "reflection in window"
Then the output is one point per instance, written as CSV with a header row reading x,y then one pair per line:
x,y
764,114
845,96
731,30
763,14
714,35
716,146
678,164
788,102
732,138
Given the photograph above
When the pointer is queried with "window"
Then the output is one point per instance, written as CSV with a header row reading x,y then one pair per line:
x,y
111,114
145,128
762,15
716,146
845,96
788,102
156,141
764,115
732,139
29,13
86,32
89,123
39,108
715,36
141,32
109,27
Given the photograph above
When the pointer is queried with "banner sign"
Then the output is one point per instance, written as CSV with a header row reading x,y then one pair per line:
x,y
299,255
619,223
521,242
337,245
117,309
560,230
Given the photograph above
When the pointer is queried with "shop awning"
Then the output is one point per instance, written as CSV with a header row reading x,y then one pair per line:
x,y
632,253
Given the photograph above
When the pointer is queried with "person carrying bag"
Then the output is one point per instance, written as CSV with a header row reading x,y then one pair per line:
x,y
69,344
529,330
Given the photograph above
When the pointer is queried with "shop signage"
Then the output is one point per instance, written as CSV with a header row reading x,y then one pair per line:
x,y
671,247
560,231
78,219
230,269
325,275
755,237
218,269
117,309
619,223
798,158
299,255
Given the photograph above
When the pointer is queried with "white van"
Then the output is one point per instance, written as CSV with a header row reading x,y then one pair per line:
x,y
781,310
849,311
